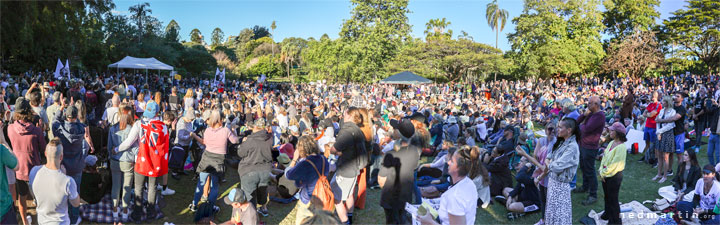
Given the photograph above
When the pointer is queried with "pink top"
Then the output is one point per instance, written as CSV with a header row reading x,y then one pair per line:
x,y
216,139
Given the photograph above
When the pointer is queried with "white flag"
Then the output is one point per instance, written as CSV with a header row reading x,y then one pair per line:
x,y
67,68
58,69
262,78
223,75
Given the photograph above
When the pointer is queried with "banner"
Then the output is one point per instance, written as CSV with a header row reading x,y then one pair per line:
x,y
178,77
58,70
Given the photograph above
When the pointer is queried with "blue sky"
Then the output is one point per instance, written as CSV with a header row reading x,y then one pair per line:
x,y
313,18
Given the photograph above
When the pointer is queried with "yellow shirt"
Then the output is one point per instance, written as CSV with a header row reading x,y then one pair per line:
x,y
613,161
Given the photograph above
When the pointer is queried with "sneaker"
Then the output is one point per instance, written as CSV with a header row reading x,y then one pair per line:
x,y
655,165
175,176
579,190
590,200
662,180
192,207
641,160
124,216
501,199
656,177
375,187
670,173
168,191
263,211
541,222
116,216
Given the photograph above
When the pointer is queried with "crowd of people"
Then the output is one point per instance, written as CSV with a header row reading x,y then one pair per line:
x,y
322,145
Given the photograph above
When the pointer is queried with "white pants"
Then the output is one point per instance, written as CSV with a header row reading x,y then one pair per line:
x,y
669,193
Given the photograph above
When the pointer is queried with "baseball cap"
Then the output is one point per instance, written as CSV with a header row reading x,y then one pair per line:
x,y
151,109
236,195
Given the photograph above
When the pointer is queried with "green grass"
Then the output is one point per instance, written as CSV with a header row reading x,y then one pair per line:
x,y
636,185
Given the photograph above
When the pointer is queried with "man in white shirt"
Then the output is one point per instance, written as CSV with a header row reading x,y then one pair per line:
x,y
110,116
53,189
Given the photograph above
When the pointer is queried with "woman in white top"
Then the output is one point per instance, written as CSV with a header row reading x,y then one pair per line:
x,y
140,104
458,204
666,139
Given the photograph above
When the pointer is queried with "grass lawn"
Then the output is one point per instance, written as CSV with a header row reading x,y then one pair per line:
x,y
636,185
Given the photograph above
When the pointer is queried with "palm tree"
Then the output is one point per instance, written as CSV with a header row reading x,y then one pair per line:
x,y
496,18
139,13
437,26
272,27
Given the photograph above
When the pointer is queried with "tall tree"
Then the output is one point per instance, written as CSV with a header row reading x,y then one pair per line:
x,y
634,55
196,36
557,37
496,18
697,29
217,36
139,13
172,31
623,17
260,32
436,28
272,27
371,37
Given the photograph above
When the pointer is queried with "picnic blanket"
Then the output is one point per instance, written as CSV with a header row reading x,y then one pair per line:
x,y
102,212
638,215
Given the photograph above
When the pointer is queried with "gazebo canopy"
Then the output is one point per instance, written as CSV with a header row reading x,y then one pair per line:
x,y
130,62
406,77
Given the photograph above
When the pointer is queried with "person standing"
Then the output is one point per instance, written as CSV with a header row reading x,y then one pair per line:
x,y
121,162
714,125
53,189
562,162
255,164
151,160
350,146
396,175
700,116
9,161
611,172
666,140
627,106
71,133
678,130
651,111
28,141
591,126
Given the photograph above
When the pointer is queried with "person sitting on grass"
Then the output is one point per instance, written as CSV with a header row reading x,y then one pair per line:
x,y
683,188
243,212
525,197
707,191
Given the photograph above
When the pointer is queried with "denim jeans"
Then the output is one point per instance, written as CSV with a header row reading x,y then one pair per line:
x,y
75,211
589,173
713,149
214,187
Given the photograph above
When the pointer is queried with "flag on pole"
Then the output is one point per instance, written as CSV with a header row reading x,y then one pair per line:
x,y
67,68
58,70
223,76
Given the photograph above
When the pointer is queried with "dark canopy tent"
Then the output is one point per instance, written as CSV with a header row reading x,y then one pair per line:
x,y
406,77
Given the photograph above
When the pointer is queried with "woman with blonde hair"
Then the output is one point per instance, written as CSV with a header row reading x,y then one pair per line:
x,y
140,104
350,143
189,101
666,139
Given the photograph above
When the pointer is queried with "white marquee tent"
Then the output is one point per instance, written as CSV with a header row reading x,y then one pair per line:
x,y
130,62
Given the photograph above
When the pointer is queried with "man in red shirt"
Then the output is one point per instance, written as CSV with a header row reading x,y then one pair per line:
x,y
650,137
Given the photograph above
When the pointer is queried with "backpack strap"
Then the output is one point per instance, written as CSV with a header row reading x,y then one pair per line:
x,y
315,167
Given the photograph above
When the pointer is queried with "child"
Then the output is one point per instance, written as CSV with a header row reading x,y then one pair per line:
x,y
242,211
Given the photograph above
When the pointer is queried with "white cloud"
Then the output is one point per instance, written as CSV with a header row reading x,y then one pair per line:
x,y
115,12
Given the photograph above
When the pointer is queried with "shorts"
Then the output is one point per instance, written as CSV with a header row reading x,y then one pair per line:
x,y
22,188
10,176
529,206
680,143
649,135
343,187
